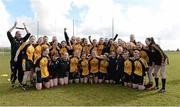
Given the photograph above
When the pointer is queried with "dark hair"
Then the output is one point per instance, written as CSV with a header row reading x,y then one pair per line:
x,y
151,39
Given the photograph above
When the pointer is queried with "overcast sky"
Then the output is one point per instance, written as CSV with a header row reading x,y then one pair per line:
x,y
143,18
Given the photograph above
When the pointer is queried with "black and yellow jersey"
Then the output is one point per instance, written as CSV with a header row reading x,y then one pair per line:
x,y
128,67
103,66
27,51
84,66
144,55
37,51
79,48
43,63
86,49
100,49
53,51
112,48
74,64
140,66
158,53
94,65
63,50
93,48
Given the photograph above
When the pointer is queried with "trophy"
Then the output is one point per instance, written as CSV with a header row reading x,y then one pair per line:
x,y
21,27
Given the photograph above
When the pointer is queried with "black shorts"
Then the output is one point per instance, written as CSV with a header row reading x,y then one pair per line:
x,y
52,75
103,76
39,79
73,75
112,75
29,66
91,75
82,76
157,62
127,78
62,74
45,79
138,79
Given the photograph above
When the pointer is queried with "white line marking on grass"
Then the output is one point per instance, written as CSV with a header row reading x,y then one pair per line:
x,y
4,75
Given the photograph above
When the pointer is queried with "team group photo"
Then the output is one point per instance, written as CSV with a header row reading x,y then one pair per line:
x,y
75,59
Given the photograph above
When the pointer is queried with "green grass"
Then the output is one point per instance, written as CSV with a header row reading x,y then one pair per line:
x,y
80,94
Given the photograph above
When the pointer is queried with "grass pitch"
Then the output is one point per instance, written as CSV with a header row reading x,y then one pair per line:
x,y
90,95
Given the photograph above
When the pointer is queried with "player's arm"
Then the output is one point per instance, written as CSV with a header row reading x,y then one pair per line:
x,y
9,32
25,38
115,37
70,46
90,39
66,36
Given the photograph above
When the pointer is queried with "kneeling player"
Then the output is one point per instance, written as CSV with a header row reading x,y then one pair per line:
x,y
84,68
127,69
94,68
63,69
140,66
74,72
53,71
103,75
41,69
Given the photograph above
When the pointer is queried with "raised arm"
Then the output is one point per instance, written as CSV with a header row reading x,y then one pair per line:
x,y
115,37
66,36
26,37
9,32
90,39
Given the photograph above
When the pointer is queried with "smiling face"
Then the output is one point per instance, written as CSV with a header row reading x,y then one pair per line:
x,y
83,56
55,44
94,42
54,38
125,55
65,56
32,40
113,54
45,39
139,45
119,50
78,40
45,52
73,39
147,41
101,41
136,54
63,44
40,40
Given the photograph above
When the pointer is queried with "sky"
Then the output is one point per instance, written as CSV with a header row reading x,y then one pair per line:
x,y
143,18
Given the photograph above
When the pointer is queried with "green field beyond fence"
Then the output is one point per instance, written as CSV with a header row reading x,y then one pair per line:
x,y
100,94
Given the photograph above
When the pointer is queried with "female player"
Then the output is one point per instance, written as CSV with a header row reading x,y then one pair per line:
x,y
63,69
140,67
84,68
112,67
128,67
53,70
94,68
41,68
74,72
103,67
160,60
